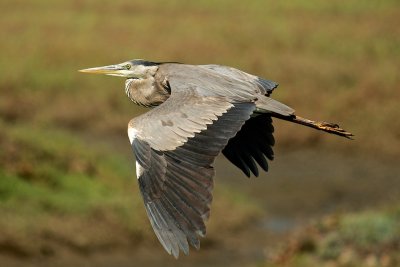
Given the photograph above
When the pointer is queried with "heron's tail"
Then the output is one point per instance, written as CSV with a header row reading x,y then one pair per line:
x,y
328,127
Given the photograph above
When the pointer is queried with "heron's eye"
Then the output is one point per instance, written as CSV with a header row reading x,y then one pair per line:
x,y
128,66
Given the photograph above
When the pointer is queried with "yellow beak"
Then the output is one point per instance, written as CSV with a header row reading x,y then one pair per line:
x,y
109,70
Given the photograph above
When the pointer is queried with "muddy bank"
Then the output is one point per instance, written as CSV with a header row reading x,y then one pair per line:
x,y
308,183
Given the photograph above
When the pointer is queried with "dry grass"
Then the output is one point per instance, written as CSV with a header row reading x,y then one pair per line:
x,y
335,62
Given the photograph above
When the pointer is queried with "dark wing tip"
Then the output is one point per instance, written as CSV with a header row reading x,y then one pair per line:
x,y
253,143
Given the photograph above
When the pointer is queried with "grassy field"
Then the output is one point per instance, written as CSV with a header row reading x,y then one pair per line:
x,y
64,152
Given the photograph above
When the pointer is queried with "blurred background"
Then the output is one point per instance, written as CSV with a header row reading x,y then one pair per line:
x,y
68,192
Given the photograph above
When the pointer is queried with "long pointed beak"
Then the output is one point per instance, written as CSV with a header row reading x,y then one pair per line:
x,y
110,70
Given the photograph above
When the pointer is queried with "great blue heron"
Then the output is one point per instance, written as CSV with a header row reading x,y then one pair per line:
x,y
200,110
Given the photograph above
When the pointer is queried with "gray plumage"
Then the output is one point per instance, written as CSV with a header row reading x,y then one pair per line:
x,y
199,111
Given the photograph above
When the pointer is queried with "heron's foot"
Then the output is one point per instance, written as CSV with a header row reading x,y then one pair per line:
x,y
333,128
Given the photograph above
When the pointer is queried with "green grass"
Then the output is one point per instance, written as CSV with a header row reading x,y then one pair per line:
x,y
53,171
369,231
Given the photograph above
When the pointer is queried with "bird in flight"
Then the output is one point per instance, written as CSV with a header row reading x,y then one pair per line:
x,y
199,111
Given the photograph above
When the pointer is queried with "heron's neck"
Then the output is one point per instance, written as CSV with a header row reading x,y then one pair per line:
x,y
146,91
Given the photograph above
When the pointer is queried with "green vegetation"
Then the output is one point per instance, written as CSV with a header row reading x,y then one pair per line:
x,y
369,238
65,162
50,170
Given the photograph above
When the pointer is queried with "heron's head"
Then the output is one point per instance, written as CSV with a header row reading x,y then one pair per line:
x,y
136,68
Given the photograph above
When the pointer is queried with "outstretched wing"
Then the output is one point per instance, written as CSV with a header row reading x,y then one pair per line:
x,y
175,146
253,143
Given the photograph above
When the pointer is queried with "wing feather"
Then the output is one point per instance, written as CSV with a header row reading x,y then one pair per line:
x,y
253,142
176,178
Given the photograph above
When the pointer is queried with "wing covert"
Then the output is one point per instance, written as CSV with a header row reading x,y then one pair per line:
x,y
215,80
180,117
